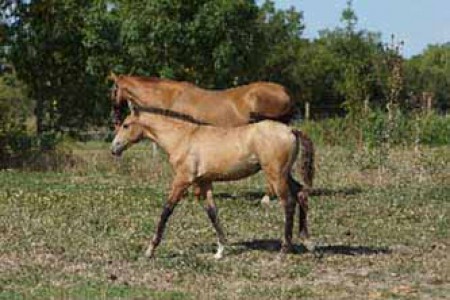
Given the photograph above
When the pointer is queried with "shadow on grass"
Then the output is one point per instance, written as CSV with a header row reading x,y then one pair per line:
x,y
247,195
351,250
273,245
270,245
347,191
256,195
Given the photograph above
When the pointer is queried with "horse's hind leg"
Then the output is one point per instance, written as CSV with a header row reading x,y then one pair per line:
x,y
288,203
211,210
269,193
302,199
178,189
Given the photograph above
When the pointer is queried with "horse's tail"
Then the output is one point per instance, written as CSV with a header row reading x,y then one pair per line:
x,y
307,157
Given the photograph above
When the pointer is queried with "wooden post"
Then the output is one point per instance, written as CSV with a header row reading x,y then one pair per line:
x,y
307,110
154,149
430,97
366,105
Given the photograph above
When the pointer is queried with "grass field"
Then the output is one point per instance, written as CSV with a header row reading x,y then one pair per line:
x,y
381,226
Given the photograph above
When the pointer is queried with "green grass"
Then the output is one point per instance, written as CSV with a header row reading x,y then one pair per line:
x,y
380,233
91,290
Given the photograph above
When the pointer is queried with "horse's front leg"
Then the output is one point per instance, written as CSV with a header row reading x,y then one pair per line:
x,y
179,186
212,212
205,193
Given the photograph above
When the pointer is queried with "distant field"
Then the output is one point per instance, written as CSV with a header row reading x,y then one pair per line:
x,y
381,226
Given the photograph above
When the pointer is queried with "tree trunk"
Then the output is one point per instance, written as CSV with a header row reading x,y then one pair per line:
x,y
307,110
39,112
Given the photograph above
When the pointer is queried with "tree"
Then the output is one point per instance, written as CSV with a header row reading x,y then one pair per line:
x,y
282,30
48,54
429,72
212,43
14,111
355,54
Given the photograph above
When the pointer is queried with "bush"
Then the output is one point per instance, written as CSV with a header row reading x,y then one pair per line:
x,y
13,113
434,130
18,147
375,130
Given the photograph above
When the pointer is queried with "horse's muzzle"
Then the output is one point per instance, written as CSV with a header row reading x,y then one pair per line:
x,y
117,149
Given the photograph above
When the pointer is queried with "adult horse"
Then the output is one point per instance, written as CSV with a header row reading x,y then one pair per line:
x,y
201,155
223,108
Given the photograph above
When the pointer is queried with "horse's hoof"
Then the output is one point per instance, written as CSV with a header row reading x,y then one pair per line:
x,y
304,235
309,245
285,249
219,253
265,200
150,253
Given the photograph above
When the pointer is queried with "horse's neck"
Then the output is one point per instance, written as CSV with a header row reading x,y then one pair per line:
x,y
155,94
165,131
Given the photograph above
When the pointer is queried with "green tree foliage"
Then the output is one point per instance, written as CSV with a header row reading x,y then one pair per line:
x,y
355,55
63,51
15,108
212,43
282,43
48,53
430,72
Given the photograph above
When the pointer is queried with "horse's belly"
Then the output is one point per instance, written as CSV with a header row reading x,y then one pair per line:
x,y
226,170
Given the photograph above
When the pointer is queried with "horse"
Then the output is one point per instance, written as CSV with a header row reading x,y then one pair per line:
x,y
201,155
224,108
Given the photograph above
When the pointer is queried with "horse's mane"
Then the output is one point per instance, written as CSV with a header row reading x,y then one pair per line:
x,y
171,114
143,79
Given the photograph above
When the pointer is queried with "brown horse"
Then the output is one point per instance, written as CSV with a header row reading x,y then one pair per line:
x,y
201,155
224,108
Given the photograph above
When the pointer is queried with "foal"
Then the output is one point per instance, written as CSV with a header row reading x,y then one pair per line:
x,y
201,155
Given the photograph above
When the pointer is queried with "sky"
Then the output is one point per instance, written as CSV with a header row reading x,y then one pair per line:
x,y
416,22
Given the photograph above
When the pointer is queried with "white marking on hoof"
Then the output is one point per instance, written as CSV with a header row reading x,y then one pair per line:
x,y
219,253
309,245
265,199
150,253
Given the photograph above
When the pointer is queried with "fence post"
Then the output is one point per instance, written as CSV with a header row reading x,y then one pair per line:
x,y
366,105
307,110
154,149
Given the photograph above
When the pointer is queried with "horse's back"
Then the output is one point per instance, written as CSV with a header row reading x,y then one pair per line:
x,y
265,139
240,105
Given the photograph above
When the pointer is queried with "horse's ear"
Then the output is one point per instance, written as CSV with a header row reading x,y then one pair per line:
x,y
132,108
113,76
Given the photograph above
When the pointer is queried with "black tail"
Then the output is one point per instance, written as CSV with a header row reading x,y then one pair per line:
x,y
307,157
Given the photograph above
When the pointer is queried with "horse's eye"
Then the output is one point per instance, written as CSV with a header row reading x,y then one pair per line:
x,y
125,126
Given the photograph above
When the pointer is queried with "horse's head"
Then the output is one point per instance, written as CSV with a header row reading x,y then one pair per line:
x,y
128,133
118,99
116,90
